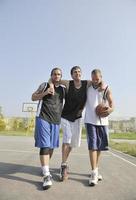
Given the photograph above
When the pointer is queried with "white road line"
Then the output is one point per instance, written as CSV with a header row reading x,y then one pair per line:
x,y
124,154
115,155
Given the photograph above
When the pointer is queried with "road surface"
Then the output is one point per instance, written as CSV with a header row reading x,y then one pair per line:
x,y
20,175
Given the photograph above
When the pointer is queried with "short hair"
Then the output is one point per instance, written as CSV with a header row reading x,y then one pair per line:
x,y
74,68
96,71
54,69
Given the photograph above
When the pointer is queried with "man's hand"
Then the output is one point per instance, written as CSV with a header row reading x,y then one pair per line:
x,y
39,95
106,112
102,86
51,89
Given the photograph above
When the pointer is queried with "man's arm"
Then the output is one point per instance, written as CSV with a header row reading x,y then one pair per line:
x,y
38,96
89,83
109,107
40,93
110,101
65,82
62,82
102,85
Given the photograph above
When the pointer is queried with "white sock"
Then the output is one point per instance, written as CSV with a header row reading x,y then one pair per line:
x,y
63,163
95,170
45,170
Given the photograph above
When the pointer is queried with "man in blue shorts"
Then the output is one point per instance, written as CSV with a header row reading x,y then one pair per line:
x,y
96,122
48,121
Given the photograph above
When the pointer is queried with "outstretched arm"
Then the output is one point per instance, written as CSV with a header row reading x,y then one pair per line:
x,y
102,85
89,83
62,82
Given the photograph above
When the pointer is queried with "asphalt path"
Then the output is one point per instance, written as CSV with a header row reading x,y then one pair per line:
x,y
20,174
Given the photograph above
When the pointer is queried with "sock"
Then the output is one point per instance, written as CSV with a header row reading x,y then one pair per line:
x,y
63,163
45,170
95,170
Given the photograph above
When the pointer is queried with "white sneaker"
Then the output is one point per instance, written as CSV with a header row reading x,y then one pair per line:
x,y
99,177
93,180
47,183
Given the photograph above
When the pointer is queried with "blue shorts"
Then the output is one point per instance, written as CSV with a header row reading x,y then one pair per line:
x,y
97,137
46,134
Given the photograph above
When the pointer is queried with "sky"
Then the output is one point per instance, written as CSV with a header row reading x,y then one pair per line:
x,y
38,35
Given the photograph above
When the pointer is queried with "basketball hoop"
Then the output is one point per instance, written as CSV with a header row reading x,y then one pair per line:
x,y
30,108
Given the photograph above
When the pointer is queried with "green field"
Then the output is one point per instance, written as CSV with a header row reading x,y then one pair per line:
x,y
128,136
124,147
16,133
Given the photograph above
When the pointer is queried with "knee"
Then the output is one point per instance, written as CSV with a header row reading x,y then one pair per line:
x,y
44,151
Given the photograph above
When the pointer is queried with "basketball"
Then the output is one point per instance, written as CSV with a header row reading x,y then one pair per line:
x,y
101,110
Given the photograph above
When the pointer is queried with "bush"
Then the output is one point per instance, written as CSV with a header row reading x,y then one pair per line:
x,y
2,125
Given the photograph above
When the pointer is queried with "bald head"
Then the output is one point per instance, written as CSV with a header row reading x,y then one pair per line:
x,y
96,77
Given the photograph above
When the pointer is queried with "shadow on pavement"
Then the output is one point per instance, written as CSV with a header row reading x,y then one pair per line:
x,y
80,178
10,170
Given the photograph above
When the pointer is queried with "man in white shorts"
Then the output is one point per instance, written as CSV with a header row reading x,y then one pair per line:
x,y
71,121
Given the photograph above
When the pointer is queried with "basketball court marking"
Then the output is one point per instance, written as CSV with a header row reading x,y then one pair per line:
x,y
125,160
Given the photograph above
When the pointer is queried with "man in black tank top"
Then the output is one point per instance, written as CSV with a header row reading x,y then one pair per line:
x,y
74,101
71,123
48,121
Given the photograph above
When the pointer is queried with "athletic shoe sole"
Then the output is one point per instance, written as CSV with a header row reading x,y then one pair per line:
x,y
92,184
46,187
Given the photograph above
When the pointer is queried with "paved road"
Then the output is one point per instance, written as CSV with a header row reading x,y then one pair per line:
x,y
20,174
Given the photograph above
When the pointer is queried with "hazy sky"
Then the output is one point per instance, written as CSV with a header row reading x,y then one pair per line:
x,y
37,35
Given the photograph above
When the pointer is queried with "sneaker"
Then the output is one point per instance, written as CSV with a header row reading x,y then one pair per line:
x,y
99,177
47,183
63,172
93,180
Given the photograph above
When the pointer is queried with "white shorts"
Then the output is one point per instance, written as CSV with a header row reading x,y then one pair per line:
x,y
72,132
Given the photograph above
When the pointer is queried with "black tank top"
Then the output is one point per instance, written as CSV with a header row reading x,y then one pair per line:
x,y
52,106
74,101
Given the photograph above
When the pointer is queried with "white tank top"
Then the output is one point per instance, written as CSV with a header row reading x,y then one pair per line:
x,y
94,97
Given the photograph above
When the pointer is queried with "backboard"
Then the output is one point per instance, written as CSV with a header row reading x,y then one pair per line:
x,y
29,107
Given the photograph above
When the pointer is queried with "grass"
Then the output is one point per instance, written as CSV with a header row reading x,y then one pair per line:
x,y
16,133
124,147
128,136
